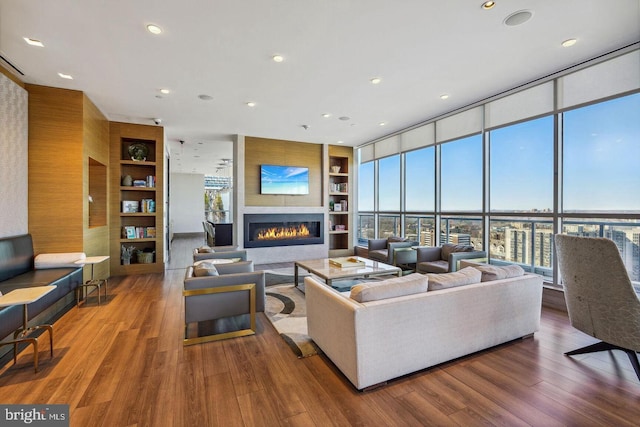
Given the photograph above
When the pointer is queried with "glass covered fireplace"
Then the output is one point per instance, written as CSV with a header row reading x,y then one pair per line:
x,y
267,230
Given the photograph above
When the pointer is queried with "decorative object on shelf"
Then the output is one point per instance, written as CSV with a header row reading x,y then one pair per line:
x,y
130,206
335,169
145,256
127,252
138,151
127,181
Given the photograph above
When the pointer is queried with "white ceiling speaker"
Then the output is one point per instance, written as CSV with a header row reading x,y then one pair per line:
x,y
518,18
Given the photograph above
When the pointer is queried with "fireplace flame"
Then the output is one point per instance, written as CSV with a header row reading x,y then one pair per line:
x,y
277,233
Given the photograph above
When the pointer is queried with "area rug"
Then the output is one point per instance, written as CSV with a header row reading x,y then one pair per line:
x,y
281,276
287,311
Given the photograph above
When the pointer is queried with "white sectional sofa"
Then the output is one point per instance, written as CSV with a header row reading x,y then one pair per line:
x,y
376,341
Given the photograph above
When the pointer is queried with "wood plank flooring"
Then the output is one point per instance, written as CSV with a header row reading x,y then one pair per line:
x,y
123,364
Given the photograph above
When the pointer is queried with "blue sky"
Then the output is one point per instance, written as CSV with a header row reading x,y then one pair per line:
x,y
601,170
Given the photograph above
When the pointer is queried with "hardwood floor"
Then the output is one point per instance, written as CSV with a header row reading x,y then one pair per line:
x,y
123,364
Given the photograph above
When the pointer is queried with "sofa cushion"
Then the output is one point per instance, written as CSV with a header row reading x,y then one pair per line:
x,y
379,255
494,272
58,260
439,266
394,239
390,288
466,276
204,268
449,248
205,250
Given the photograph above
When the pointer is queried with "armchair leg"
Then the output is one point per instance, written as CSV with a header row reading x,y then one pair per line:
x,y
604,346
633,358
599,346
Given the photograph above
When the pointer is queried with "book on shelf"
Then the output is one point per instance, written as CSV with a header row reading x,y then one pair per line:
x,y
132,232
129,232
148,205
346,262
338,187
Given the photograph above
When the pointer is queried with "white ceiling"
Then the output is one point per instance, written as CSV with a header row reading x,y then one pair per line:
x,y
420,49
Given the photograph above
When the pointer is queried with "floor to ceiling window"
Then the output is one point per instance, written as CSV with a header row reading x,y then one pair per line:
x,y
462,175
506,176
420,180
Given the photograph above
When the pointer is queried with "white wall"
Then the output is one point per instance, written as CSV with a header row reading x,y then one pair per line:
x,y
14,174
187,202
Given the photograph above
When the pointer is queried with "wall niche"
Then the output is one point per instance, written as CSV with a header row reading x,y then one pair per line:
x,y
97,198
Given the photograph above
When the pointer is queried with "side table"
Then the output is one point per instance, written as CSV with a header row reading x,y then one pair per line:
x,y
95,283
26,296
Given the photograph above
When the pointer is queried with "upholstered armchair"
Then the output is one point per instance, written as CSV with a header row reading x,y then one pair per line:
x,y
445,258
601,300
222,291
219,252
383,249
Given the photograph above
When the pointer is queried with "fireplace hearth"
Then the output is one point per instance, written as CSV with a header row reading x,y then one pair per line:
x,y
268,230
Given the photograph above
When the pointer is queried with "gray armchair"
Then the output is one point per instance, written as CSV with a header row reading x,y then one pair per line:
x,y
601,300
383,249
445,258
235,290
219,252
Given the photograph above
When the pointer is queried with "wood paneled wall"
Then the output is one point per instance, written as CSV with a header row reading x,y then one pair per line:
x,y
66,130
56,202
96,151
260,151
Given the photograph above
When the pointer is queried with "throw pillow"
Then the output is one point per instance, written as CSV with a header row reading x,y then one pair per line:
x,y
449,248
466,276
202,269
373,291
494,272
205,250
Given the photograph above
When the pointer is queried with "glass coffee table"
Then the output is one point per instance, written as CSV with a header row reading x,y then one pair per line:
x,y
329,272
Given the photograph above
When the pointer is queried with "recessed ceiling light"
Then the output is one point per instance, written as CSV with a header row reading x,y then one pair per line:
x,y
345,118
165,91
382,124
251,104
444,96
33,42
340,142
65,76
569,42
154,29
376,80
277,58
488,5
205,97
518,18
326,115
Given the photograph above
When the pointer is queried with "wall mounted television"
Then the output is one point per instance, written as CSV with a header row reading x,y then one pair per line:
x,y
275,179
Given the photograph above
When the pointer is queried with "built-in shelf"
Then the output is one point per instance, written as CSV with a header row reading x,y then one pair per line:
x,y
339,193
128,141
